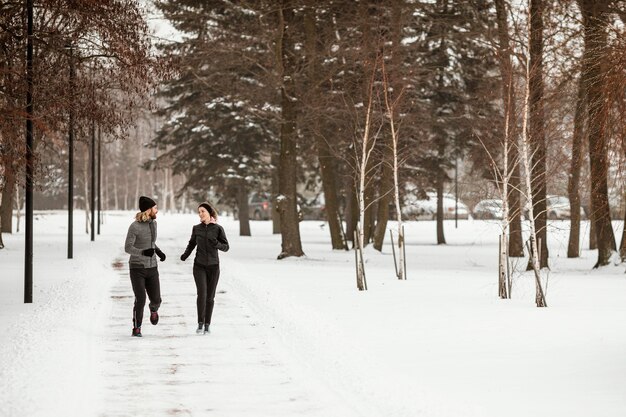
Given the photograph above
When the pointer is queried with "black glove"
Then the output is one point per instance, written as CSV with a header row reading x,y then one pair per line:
x,y
148,252
212,242
160,254
183,257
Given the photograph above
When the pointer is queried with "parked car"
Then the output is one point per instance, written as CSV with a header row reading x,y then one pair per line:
x,y
426,208
260,207
315,208
557,208
488,209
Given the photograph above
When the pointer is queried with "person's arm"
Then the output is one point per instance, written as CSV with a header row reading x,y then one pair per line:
x,y
222,242
129,245
158,250
190,247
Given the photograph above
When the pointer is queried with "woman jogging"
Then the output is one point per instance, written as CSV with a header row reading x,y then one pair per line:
x,y
209,237
144,274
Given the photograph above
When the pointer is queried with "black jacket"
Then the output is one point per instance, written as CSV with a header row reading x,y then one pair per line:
x,y
208,238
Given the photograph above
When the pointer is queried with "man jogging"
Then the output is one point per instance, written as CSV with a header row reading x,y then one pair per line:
x,y
144,274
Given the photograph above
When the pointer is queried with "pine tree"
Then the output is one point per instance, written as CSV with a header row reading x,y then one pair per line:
x,y
219,114
453,62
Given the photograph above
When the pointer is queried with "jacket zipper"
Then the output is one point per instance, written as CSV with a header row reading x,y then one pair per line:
x,y
206,242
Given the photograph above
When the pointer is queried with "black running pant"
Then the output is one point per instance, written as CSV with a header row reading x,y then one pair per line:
x,y
206,278
145,280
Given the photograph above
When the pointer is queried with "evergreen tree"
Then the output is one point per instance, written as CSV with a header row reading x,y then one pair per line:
x,y
455,66
219,128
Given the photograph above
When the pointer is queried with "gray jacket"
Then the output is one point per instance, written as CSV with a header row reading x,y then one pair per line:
x,y
141,235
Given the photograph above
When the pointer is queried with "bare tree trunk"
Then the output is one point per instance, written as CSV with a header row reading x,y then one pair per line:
x,y
363,158
126,190
6,187
595,22
516,245
352,209
105,200
622,246
382,206
138,175
622,250
6,206
441,239
367,167
439,139
1,220
164,190
536,128
275,192
171,191
391,107
573,246
242,206
385,195
368,222
86,188
512,195
388,180
286,203
503,263
593,237
18,205
115,191
324,154
329,184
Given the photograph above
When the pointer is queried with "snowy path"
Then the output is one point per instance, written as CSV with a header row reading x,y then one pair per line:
x,y
237,370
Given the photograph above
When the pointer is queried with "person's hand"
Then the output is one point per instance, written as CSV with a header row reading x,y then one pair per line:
x,y
213,242
148,252
160,254
183,257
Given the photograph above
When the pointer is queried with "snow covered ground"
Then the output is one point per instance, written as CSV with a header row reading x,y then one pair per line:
x,y
295,338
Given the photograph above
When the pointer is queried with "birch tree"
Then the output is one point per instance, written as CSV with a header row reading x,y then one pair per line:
x,y
390,106
363,149
540,299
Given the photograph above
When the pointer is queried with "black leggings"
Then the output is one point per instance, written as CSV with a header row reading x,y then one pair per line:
x,y
206,278
145,280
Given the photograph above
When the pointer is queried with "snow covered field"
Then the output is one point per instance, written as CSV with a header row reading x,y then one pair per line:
x,y
295,337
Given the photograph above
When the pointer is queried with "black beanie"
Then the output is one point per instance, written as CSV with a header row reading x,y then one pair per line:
x,y
208,208
146,203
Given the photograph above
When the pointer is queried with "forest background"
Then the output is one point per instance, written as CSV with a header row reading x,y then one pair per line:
x,y
284,97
